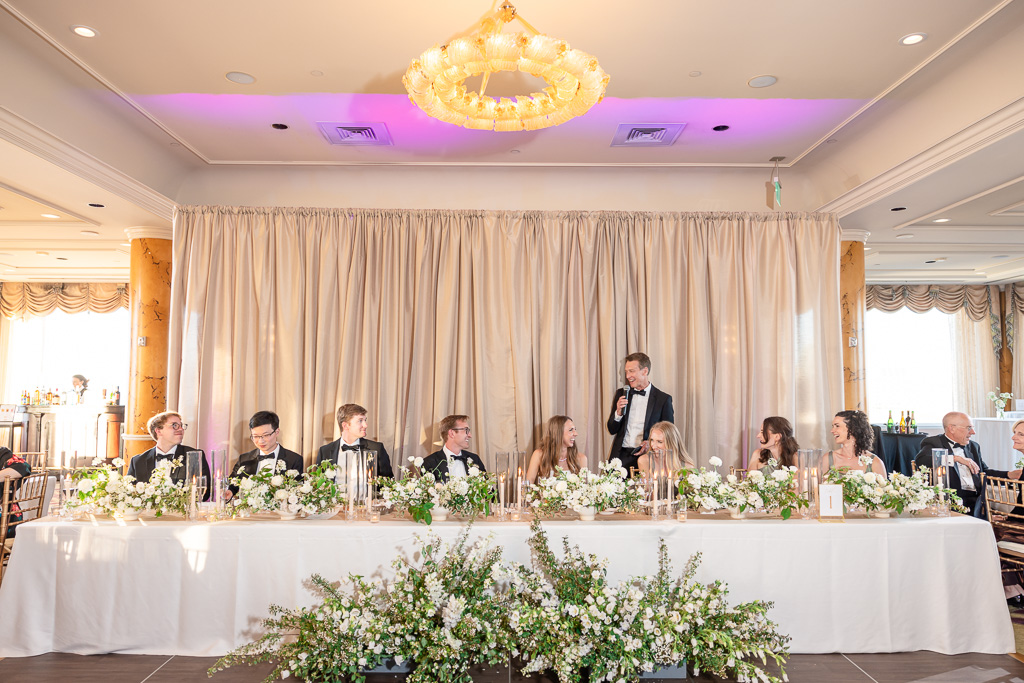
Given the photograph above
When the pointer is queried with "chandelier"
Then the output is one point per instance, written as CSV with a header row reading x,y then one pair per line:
x,y
436,80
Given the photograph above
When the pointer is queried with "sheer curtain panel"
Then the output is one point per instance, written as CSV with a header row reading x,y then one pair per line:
x,y
509,317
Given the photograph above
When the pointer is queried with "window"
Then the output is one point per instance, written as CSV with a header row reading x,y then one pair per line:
x,y
909,364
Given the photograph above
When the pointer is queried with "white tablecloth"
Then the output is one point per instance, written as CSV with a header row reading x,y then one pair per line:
x,y
177,588
993,436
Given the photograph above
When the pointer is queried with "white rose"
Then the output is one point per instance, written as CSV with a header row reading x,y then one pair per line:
x,y
86,485
780,475
732,478
330,474
869,477
715,461
246,484
755,475
277,480
280,494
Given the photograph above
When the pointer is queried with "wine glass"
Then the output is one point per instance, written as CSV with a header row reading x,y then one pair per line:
x,y
201,485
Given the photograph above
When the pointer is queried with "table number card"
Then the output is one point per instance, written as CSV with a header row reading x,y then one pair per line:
x,y
830,503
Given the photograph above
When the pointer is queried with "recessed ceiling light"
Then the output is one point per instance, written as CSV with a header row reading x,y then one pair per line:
x,y
912,38
316,72
867,248
88,232
49,215
1002,256
942,220
84,31
762,81
239,77
514,151
97,206
62,258
279,126
904,236
898,208
831,141
695,74
941,259
720,128
42,253
981,272
932,261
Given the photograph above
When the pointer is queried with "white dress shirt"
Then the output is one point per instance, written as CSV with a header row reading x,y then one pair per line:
x,y
456,468
268,463
634,428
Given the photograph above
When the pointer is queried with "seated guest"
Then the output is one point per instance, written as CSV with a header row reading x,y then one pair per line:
x,y
777,442
853,435
264,428
12,467
965,472
352,420
665,437
557,451
456,434
168,430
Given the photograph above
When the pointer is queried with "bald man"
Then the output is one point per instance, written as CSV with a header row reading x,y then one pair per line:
x,y
956,438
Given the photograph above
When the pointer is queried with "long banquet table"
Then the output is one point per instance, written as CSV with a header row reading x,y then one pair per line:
x,y
173,587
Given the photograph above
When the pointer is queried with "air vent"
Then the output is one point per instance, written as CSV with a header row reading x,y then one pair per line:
x,y
375,134
647,134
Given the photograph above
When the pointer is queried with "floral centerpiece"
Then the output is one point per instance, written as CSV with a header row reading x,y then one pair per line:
x,y
318,492
703,488
268,490
915,493
776,491
412,493
869,491
999,400
102,489
583,490
467,496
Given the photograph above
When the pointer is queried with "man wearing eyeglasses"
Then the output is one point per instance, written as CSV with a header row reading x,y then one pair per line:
x,y
264,429
352,420
966,465
168,430
453,460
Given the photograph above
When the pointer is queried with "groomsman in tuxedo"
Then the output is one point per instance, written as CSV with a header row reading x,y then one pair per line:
x,y
264,429
635,409
168,430
352,420
456,434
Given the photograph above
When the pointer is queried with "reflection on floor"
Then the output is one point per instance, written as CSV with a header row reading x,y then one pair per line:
x,y
908,667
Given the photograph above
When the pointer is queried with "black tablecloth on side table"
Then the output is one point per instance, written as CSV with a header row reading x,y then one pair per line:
x,y
897,451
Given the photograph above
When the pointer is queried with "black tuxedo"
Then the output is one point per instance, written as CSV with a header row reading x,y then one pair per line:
x,y
973,451
249,462
659,409
331,450
142,465
438,464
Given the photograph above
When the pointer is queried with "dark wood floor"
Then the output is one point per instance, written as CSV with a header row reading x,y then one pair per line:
x,y
911,667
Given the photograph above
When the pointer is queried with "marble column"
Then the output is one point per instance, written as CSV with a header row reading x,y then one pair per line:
x,y
852,297
1005,355
150,303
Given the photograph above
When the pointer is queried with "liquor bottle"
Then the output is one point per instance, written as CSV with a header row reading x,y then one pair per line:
x,y
890,425
903,424
913,423
104,397
117,397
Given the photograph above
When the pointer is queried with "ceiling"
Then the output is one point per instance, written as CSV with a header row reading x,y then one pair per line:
x,y
125,118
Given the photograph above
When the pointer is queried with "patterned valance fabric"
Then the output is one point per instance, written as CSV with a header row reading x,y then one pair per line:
x,y
977,301
27,299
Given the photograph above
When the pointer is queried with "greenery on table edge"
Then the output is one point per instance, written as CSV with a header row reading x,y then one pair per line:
x,y
564,490
102,489
461,605
466,496
898,492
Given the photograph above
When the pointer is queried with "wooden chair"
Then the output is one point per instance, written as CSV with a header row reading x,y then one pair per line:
x,y
740,474
28,494
1006,515
37,460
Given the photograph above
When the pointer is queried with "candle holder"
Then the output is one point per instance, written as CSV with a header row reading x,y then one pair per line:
x,y
808,464
513,465
681,510
193,472
501,512
941,462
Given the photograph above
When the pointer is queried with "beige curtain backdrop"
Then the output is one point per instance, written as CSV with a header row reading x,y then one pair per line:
x,y
977,367
509,317
22,300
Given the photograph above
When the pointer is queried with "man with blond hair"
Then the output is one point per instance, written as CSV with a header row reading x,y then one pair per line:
x,y
168,430
352,421
453,460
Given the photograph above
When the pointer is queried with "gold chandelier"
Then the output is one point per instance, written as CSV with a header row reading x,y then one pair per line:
x,y
436,80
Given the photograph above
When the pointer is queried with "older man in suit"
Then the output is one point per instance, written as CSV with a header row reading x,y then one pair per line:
x,y
168,430
965,471
352,420
453,460
635,409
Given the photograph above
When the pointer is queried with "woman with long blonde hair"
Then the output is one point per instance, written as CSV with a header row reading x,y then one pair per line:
x,y
557,450
665,437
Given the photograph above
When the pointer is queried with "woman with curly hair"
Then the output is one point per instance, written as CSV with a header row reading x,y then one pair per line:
x,y
777,443
557,451
852,432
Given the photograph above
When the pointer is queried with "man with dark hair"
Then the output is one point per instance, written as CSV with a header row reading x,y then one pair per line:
x,y
352,420
264,428
168,430
635,409
453,460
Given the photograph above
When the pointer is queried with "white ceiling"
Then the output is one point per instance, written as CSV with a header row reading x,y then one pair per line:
x,y
125,119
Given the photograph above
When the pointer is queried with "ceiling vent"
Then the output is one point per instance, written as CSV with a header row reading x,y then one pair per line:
x,y
375,134
647,134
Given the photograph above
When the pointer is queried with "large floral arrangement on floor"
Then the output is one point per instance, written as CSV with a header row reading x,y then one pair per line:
x,y
469,495
775,491
268,490
566,490
102,489
460,605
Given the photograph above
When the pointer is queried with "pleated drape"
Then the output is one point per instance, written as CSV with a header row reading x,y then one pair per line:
x,y
509,317
26,299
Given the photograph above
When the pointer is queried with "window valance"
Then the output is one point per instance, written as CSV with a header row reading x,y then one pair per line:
x,y
26,299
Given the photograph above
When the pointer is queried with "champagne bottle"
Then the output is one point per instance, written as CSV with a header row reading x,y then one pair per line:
x,y
913,423
117,397
890,425
903,424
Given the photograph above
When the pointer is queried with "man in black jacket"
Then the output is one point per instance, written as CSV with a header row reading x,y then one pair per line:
x,y
264,429
635,409
168,430
456,434
352,420
964,472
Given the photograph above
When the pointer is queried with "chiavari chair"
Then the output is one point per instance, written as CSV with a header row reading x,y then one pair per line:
x,y
1006,515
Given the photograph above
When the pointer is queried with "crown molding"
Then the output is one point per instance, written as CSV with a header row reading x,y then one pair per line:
x,y
992,128
148,232
43,144
855,235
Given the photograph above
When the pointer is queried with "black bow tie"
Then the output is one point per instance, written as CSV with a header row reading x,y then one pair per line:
x,y
461,457
266,456
346,447
638,392
164,456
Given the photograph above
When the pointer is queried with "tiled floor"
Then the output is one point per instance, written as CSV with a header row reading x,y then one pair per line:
x,y
911,667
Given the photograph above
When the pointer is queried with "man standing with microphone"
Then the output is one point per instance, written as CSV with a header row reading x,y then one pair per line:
x,y
635,409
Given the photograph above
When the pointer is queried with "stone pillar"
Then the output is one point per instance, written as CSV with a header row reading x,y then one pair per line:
x,y
1005,355
150,302
852,297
